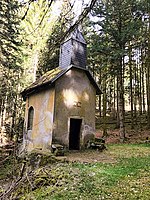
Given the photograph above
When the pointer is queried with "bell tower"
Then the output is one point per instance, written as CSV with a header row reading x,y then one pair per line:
x,y
73,51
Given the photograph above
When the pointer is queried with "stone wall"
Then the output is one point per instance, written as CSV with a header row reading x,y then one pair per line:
x,y
40,136
75,98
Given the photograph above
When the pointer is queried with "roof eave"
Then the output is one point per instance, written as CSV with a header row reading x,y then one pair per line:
x,y
25,93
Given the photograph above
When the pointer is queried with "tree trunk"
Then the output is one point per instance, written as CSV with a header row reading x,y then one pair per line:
x,y
121,102
114,99
35,65
118,121
104,106
143,81
140,97
131,87
148,73
100,97
135,96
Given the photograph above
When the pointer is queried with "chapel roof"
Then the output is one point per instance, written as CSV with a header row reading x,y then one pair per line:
x,y
49,78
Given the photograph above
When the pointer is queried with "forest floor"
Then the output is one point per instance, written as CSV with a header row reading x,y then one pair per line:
x,y
121,171
132,137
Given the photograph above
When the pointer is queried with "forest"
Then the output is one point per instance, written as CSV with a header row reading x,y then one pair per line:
x,y
117,33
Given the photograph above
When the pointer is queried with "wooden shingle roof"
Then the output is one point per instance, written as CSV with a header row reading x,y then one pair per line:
x,y
49,78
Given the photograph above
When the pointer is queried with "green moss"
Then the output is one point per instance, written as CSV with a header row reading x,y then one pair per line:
x,y
128,178
40,158
7,168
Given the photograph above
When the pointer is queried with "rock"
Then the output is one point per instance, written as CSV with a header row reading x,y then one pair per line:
x,y
97,143
58,150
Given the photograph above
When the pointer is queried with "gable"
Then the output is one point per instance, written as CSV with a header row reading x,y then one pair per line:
x,y
49,78
74,83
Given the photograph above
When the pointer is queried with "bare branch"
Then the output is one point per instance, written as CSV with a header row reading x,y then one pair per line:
x,y
49,5
81,17
30,1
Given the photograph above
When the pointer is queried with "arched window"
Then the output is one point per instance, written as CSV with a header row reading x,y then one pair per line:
x,y
30,118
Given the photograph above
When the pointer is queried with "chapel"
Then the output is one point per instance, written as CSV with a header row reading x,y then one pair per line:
x,y
60,105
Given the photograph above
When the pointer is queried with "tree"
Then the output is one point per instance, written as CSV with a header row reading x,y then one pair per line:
x,y
10,69
36,27
148,64
40,35
119,21
49,57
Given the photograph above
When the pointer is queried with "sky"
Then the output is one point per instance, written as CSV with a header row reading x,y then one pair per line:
x,y
77,8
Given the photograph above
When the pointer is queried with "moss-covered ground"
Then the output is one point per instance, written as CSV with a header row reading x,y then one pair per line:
x,y
125,178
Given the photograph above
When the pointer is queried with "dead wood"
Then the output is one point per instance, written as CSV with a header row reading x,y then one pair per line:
x,y
14,186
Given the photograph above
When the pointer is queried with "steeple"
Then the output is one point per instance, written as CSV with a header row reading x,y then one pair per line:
x,y
73,51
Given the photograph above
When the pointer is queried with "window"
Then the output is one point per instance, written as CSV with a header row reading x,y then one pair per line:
x,y
30,118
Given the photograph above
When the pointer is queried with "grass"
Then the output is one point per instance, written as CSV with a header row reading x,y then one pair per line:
x,y
128,178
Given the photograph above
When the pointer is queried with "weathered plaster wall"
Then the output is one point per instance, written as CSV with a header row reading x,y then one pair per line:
x,y
75,98
41,134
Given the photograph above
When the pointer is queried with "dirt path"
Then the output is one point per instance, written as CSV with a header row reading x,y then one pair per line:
x,y
90,156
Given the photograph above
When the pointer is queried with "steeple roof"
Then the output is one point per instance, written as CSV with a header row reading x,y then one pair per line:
x,y
76,35
73,51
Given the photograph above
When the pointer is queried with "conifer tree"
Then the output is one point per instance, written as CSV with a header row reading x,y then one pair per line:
x,y
10,70
119,22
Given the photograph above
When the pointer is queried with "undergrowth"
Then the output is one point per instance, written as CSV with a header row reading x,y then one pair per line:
x,y
128,178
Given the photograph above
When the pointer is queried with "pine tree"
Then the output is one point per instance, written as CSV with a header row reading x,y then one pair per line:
x,y
49,57
119,22
10,70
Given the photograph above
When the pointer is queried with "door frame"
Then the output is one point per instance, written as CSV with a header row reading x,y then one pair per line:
x,y
81,128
